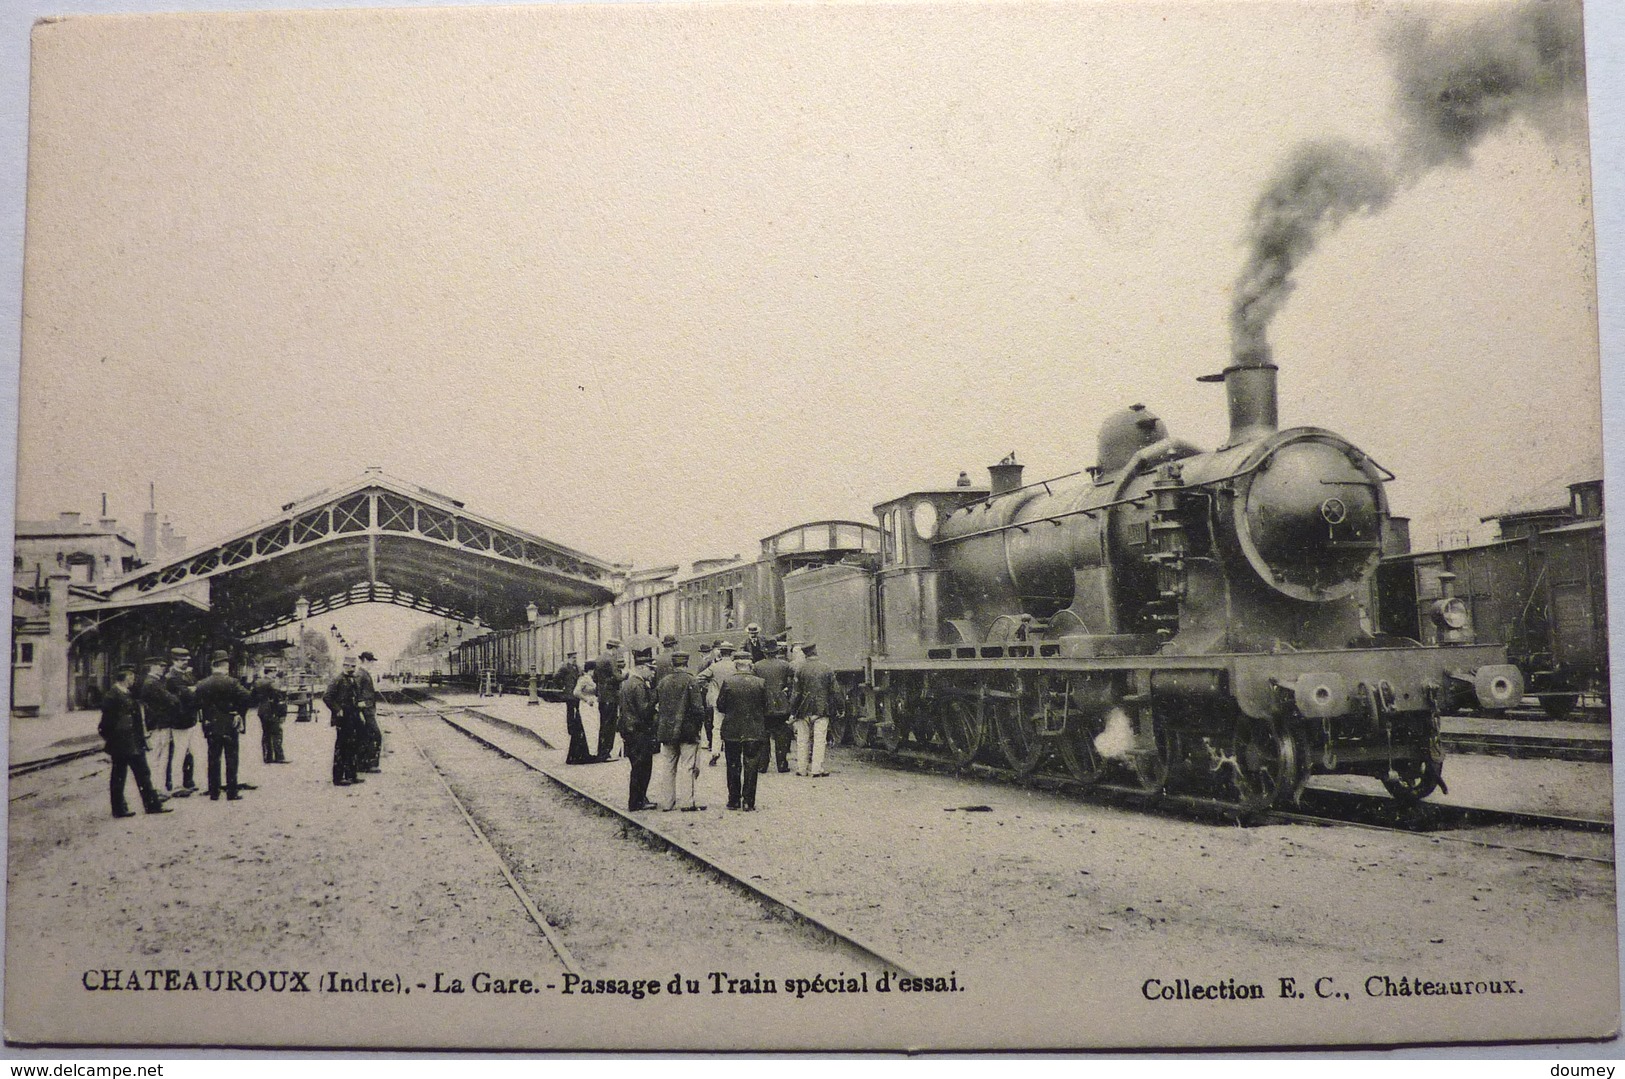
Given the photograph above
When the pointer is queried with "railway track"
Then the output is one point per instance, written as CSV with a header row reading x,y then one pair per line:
x,y
1529,747
23,768
1321,807
469,723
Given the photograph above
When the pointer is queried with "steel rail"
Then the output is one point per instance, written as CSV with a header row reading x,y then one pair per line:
x,y
23,768
1308,818
1121,795
732,877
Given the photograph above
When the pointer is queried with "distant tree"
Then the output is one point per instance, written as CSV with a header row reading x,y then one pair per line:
x,y
312,654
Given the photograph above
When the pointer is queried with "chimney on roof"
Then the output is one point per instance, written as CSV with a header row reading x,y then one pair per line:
x,y
148,551
70,518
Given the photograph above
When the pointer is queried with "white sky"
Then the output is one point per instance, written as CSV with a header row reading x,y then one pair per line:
x,y
654,282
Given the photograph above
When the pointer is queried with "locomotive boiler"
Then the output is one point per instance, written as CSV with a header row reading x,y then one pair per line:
x,y
1191,622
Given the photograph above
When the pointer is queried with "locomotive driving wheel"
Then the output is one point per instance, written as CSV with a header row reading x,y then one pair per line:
x,y
899,714
1077,744
962,729
1018,722
1412,781
1266,763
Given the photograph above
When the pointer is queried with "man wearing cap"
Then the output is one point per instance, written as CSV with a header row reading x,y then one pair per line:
x,y
271,700
223,703
158,706
778,678
638,730
371,746
662,660
183,725
815,700
711,677
344,709
742,701
607,676
125,737
679,717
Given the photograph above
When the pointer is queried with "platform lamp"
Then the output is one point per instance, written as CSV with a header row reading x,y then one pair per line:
x,y
301,611
531,614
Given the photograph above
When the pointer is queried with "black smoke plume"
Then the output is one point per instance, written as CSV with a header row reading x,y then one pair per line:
x,y
1459,77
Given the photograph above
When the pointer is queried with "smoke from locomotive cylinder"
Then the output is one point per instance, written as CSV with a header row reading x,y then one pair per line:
x,y
1458,81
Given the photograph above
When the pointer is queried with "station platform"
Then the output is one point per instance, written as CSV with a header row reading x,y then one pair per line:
x,y
35,738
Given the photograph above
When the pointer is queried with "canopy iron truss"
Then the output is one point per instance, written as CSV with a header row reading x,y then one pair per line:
x,y
380,540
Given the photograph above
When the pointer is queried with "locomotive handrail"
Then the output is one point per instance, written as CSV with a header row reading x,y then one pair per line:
x,y
1056,518
1044,483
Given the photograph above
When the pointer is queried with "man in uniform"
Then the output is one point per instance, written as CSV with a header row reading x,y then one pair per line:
x,y
638,733
679,717
742,701
344,708
183,725
272,700
609,696
223,704
371,747
126,739
778,678
158,707
566,678
814,702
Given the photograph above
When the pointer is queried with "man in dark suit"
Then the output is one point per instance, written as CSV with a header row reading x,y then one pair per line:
x,y
742,701
158,709
754,644
126,740
183,725
608,676
779,679
680,716
272,705
222,701
662,660
344,709
815,701
638,730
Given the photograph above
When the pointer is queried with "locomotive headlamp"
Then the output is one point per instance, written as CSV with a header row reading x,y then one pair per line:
x,y
1450,613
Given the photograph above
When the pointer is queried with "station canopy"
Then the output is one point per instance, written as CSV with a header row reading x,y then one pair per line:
x,y
376,540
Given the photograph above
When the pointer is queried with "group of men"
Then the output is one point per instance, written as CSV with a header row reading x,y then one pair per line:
x,y
352,705
152,730
661,708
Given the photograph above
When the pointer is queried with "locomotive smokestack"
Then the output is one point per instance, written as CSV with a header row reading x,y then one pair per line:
x,y
1249,386
1004,476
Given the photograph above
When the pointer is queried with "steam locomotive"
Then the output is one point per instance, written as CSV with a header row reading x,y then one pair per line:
x,y
1191,624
